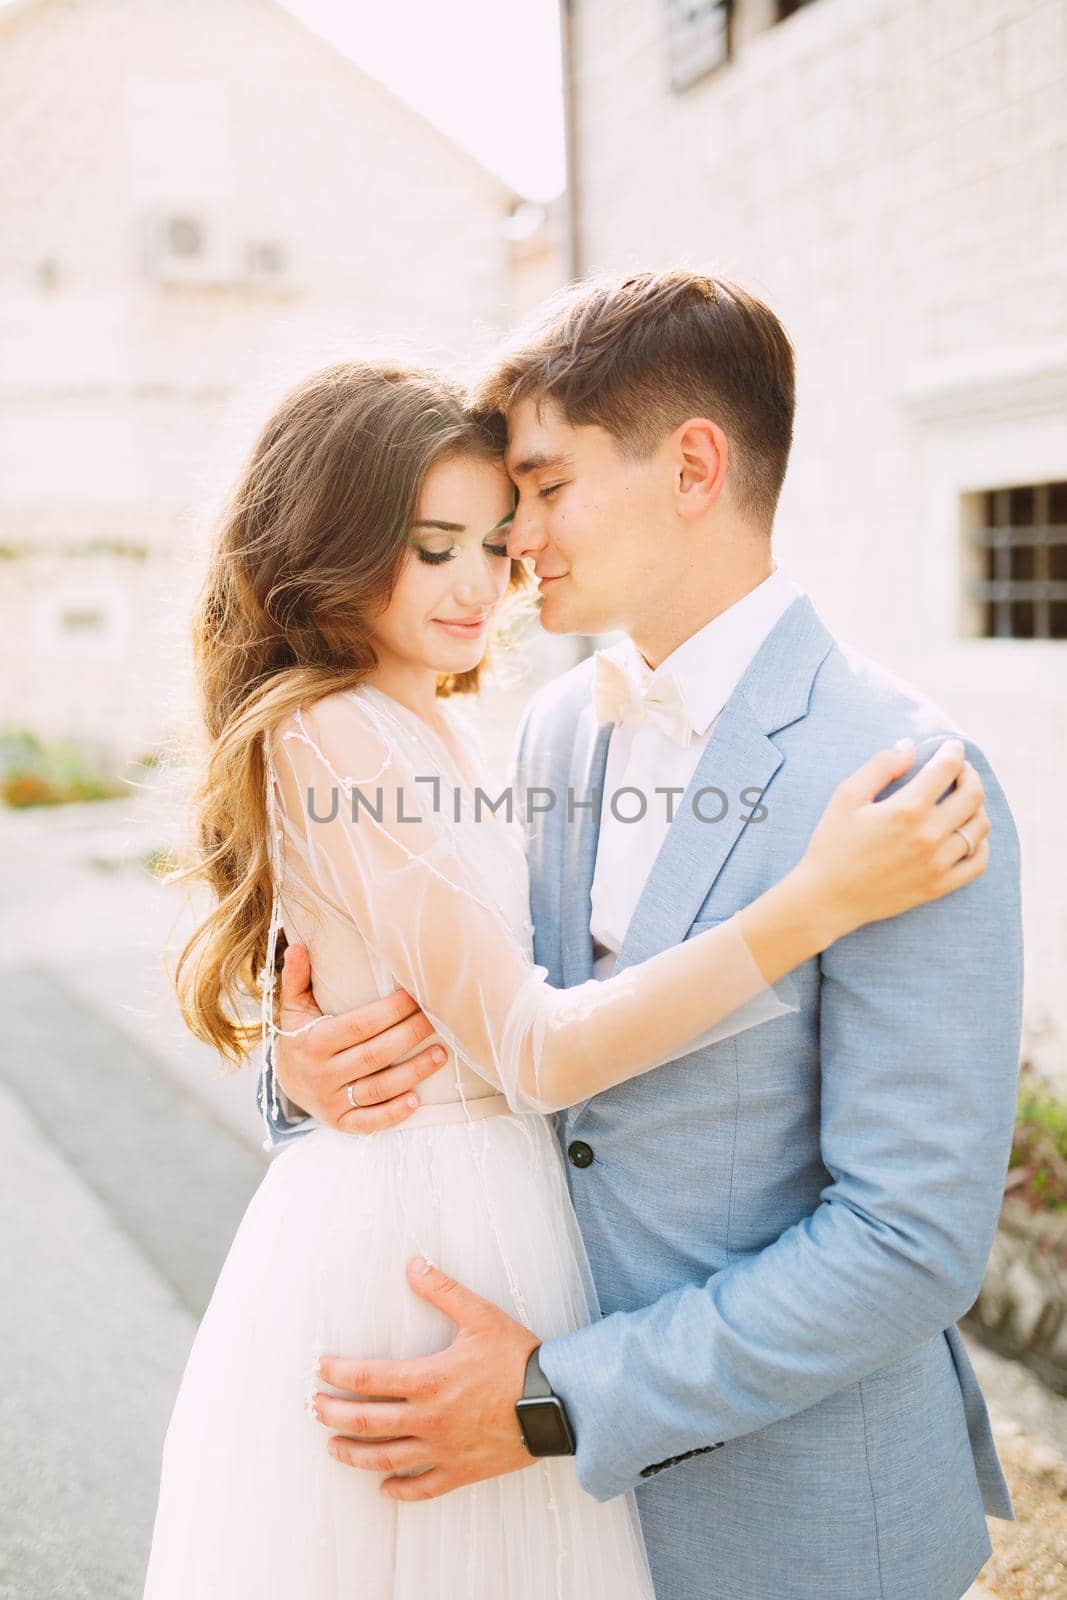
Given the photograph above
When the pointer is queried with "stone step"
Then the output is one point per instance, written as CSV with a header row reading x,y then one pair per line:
x,y
174,1178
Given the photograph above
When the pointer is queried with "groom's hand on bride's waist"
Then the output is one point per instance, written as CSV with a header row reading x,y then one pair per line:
x,y
450,1417
362,1048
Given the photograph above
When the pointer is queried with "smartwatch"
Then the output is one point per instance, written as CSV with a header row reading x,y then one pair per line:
x,y
543,1420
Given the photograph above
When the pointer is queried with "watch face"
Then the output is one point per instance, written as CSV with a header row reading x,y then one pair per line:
x,y
546,1429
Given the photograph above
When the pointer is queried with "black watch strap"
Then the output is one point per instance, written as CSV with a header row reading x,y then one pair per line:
x,y
536,1386
543,1419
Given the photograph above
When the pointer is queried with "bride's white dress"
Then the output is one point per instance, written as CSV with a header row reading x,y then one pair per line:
x,y
427,893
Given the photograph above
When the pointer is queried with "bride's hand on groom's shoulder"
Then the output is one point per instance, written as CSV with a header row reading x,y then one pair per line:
x,y
888,841
346,1071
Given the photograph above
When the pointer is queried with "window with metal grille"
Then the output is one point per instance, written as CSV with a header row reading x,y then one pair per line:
x,y
1019,561
698,38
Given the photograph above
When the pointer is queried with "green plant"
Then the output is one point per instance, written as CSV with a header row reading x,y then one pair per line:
x,y
35,773
18,744
1037,1170
160,862
124,549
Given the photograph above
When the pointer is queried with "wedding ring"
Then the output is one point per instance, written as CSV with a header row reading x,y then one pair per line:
x,y
350,1091
968,841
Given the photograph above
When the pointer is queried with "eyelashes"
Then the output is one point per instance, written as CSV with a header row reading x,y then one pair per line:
x,y
546,494
437,558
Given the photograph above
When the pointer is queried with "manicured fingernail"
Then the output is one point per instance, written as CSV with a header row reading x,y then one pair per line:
x,y
412,1100
420,1265
438,1055
332,1448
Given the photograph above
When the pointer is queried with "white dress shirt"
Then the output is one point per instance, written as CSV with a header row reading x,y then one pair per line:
x,y
709,666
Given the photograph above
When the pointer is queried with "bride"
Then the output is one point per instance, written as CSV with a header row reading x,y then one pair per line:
x,y
348,605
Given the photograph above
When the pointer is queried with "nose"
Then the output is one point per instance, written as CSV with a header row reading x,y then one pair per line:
x,y
480,584
525,536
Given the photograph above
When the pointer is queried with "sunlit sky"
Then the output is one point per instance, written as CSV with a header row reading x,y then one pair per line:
x,y
485,71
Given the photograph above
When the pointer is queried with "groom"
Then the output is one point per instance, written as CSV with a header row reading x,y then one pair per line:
x,y
785,1226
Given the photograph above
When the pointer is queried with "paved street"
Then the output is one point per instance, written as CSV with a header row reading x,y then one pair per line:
x,y
126,1163
93,1338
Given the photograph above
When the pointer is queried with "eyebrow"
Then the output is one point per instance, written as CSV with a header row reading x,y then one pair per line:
x,y
540,461
460,527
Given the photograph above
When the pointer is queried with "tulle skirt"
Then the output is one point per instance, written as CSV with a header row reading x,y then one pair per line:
x,y
252,1506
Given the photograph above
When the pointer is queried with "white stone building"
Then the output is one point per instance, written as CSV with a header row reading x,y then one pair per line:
x,y
200,200
891,175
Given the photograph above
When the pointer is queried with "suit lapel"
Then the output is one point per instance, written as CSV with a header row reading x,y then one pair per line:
x,y
740,756
586,779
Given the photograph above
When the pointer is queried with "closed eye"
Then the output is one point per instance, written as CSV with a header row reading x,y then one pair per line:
x,y
437,558
545,494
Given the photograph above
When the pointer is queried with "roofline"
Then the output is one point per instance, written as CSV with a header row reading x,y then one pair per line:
x,y
10,9
411,110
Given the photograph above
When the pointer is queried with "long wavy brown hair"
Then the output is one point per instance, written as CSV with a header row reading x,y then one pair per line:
x,y
308,552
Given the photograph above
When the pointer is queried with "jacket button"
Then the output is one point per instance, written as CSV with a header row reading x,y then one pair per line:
x,y
580,1153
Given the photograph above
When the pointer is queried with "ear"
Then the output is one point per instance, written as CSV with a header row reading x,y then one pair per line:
x,y
701,453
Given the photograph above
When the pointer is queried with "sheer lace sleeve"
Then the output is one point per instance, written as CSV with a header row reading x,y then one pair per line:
x,y
377,839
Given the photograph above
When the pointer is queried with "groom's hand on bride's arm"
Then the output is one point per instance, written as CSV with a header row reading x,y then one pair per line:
x,y
361,1047
451,1416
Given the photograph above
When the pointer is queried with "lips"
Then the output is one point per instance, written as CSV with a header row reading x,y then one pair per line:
x,y
463,627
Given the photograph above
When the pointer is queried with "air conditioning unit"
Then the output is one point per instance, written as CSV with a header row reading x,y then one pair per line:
x,y
267,263
190,246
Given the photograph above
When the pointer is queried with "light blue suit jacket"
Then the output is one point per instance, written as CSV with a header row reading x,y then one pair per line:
x,y
785,1227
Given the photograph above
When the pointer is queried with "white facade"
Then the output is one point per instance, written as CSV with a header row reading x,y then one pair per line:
x,y
199,202
891,175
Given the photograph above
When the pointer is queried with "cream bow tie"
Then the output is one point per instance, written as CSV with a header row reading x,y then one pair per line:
x,y
617,698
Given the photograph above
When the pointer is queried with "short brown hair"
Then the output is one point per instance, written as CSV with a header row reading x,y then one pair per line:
x,y
640,354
